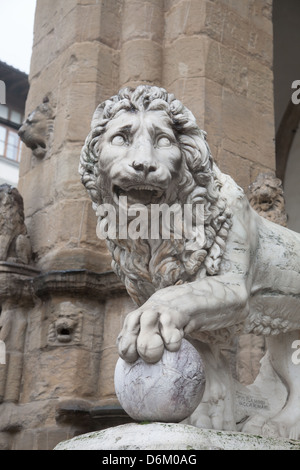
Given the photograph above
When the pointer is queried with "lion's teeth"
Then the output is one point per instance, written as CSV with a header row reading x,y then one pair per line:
x,y
143,188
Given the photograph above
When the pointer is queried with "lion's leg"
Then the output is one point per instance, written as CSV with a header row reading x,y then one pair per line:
x,y
287,422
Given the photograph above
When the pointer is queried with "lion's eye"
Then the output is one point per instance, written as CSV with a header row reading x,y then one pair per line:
x,y
163,142
118,140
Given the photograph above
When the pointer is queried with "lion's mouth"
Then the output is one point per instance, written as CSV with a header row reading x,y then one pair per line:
x,y
142,194
266,203
64,333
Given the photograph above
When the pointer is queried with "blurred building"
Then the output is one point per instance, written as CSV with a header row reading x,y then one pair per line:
x,y
11,117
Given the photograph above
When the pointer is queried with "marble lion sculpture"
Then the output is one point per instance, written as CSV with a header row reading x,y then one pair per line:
x,y
244,277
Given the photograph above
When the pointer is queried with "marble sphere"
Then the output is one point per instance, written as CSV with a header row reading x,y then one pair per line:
x,y
167,391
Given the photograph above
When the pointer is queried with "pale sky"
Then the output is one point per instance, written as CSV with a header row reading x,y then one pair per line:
x,y
16,32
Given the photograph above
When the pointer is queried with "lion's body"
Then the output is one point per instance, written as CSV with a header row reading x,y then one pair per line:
x,y
14,242
273,271
244,276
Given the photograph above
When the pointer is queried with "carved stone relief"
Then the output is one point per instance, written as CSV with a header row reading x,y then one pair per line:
x,y
67,327
37,130
266,197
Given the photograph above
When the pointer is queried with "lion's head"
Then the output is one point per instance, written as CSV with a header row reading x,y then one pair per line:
x,y
66,327
266,197
36,131
145,145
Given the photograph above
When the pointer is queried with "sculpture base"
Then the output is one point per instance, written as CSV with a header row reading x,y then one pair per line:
x,y
169,436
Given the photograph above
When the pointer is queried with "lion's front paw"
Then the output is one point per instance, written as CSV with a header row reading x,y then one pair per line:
x,y
147,331
280,427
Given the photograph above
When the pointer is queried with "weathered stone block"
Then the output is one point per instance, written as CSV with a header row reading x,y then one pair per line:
x,y
227,67
143,20
115,311
25,440
13,379
140,60
47,15
185,58
187,18
5,440
215,20
72,377
41,194
48,438
109,359
48,232
262,15
169,4
260,86
245,130
235,166
261,47
212,111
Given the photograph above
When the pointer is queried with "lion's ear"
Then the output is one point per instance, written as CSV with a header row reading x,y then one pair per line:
x,y
97,116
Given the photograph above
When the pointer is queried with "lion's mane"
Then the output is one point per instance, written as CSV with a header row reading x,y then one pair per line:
x,y
161,263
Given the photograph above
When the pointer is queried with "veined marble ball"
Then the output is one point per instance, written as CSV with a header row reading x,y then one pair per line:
x,y
167,391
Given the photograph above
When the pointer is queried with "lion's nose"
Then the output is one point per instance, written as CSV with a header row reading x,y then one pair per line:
x,y
21,131
145,167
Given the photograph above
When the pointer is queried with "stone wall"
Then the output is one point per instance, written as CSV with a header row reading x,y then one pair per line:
x,y
216,56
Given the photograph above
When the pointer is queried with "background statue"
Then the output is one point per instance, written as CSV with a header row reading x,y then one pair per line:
x,y
37,130
242,276
14,241
266,197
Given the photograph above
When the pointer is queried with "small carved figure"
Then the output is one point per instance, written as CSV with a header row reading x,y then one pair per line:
x,y
266,197
67,326
14,241
37,130
243,276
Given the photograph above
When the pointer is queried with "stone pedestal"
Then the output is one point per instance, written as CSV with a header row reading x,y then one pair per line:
x,y
167,436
